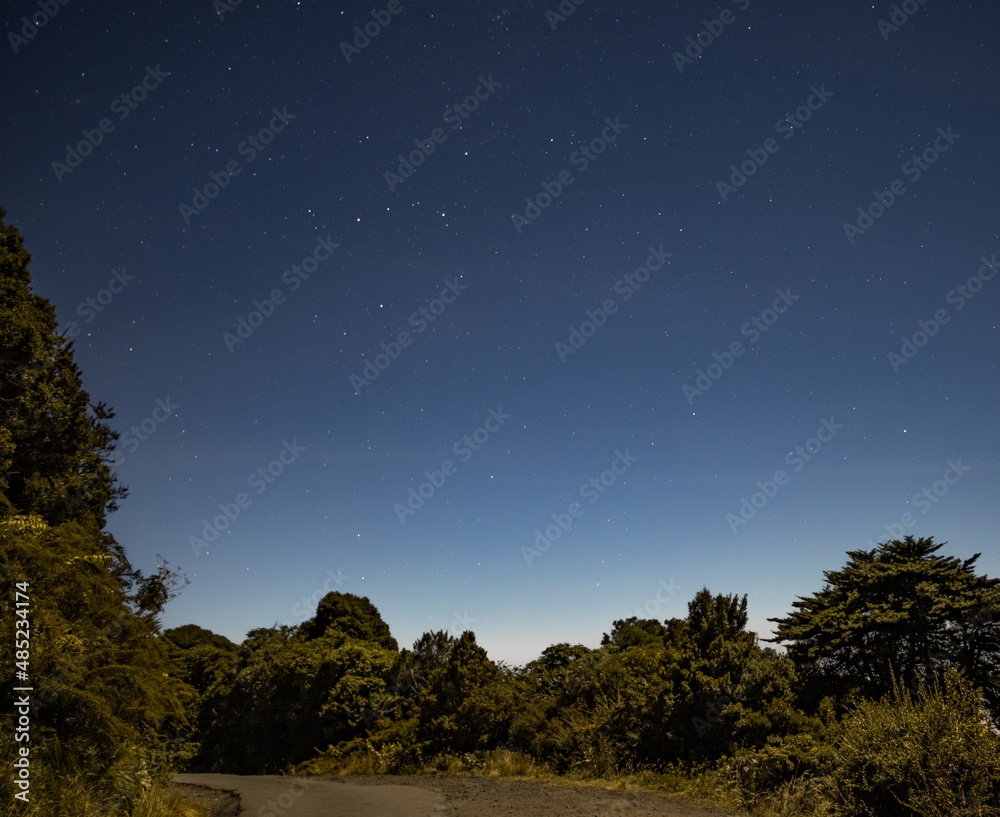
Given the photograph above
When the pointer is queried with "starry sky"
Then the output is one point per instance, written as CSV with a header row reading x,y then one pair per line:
x,y
520,319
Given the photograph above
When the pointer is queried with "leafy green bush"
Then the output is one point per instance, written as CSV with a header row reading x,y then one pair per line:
x,y
780,761
364,757
929,755
102,693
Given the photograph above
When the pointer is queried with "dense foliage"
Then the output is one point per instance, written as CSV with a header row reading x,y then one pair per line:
x,y
692,693
54,443
101,691
923,754
899,610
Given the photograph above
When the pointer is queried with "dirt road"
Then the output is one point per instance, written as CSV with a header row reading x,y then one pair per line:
x,y
388,796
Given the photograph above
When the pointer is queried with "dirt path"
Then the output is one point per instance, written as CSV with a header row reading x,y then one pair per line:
x,y
388,796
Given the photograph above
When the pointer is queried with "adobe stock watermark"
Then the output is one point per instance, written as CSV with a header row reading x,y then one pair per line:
x,y
752,330
380,21
715,710
284,801
434,481
959,297
454,116
926,498
224,7
695,46
259,480
292,278
565,10
592,490
654,605
420,321
625,286
250,148
914,170
461,622
786,126
901,15
47,10
90,308
751,505
138,434
306,606
122,106
581,158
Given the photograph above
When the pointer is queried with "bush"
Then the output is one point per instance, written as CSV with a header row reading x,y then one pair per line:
x,y
925,755
782,761
364,757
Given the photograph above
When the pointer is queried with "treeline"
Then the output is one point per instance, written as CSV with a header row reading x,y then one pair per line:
x,y
884,696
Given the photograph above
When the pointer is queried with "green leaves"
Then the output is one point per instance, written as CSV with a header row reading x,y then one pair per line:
x,y
55,446
102,691
353,616
927,755
294,694
900,609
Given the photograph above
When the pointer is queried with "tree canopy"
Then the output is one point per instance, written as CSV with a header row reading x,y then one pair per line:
x,y
55,444
188,636
354,616
102,691
900,610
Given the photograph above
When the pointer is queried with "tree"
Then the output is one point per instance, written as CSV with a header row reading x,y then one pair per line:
x,y
200,658
102,692
635,632
899,609
102,695
188,636
354,616
442,683
714,619
729,694
55,445
292,694
561,670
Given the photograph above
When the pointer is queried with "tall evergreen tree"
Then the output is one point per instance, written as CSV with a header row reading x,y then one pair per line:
x,y
899,610
55,444
101,693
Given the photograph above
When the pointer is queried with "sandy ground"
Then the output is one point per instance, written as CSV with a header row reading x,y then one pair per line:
x,y
388,796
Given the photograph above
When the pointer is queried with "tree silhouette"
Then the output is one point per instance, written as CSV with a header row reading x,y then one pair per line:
x,y
897,611
55,445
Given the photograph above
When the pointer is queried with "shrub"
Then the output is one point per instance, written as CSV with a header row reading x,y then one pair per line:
x,y
924,755
364,757
781,761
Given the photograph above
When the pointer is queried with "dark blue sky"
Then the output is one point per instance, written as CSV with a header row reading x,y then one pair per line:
x,y
388,312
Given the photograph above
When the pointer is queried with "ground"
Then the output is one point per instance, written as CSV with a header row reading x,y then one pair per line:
x,y
430,796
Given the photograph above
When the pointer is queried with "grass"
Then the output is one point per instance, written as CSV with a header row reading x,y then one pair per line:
x,y
161,800
714,787
707,786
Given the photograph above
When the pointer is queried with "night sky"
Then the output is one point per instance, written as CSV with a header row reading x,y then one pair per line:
x,y
520,319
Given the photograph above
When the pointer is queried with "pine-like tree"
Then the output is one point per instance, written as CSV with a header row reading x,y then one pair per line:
x,y
897,611
55,444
